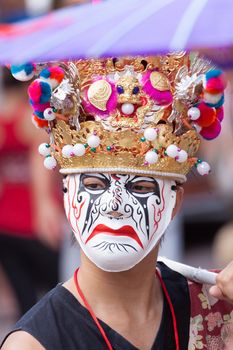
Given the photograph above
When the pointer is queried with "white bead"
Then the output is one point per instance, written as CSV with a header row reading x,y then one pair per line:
x,y
212,98
79,150
68,151
151,157
203,168
197,127
150,134
172,151
50,163
182,156
194,113
93,141
49,114
127,108
44,149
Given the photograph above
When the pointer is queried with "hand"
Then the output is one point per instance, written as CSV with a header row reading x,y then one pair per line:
x,y
223,289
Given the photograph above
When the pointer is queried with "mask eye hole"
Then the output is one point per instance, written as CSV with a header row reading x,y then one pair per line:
x,y
135,90
93,183
120,89
142,187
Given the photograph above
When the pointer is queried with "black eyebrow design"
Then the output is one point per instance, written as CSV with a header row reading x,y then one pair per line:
x,y
143,178
96,176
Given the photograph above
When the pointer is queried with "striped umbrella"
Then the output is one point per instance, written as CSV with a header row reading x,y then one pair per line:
x,y
123,27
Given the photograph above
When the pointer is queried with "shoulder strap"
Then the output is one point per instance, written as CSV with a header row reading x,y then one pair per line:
x,y
177,288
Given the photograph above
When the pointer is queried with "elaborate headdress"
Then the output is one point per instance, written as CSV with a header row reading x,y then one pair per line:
x,y
141,115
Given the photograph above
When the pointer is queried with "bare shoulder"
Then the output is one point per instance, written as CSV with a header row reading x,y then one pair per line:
x,y
21,341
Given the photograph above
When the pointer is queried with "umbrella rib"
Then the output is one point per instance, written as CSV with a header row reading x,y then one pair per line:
x,y
125,26
186,24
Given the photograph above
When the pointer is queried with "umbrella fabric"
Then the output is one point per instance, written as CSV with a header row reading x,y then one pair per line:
x,y
122,27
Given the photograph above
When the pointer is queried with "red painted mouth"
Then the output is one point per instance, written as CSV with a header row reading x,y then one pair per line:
x,y
127,231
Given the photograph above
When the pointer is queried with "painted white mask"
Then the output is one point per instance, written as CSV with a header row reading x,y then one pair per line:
x,y
118,219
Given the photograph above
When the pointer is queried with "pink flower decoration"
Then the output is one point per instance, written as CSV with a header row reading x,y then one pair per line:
x,y
110,106
161,98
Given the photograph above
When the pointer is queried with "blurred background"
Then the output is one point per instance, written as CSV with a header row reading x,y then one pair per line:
x,y
36,245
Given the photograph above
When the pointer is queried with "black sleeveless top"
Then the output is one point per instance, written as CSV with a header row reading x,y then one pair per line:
x,y
59,322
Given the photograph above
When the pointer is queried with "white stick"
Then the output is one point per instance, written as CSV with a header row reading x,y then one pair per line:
x,y
192,273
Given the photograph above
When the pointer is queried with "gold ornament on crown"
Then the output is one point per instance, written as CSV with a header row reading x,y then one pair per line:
x,y
114,123
159,81
99,93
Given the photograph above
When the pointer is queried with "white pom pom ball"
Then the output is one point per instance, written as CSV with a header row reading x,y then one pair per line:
x,y
151,157
23,76
50,163
212,98
172,151
79,150
182,156
194,113
68,151
150,134
203,168
44,149
23,72
49,114
127,108
93,141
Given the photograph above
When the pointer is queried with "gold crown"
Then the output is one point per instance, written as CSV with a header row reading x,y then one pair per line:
x,y
124,151
138,115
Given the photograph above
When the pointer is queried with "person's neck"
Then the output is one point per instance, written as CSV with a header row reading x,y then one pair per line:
x,y
121,291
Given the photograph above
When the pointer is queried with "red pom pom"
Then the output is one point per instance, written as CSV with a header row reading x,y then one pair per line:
x,y
208,115
39,92
57,73
40,123
220,113
215,85
40,107
212,131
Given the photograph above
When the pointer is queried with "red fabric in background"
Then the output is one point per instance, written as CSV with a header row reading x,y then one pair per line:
x,y
15,201
15,210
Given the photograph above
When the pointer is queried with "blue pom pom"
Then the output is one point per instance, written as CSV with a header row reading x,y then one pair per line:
x,y
46,92
213,74
45,73
39,114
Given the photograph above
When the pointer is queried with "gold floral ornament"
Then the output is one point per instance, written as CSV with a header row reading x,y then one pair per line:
x,y
99,93
159,81
140,115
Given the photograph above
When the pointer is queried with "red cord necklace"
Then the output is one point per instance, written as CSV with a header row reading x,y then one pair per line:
x,y
101,328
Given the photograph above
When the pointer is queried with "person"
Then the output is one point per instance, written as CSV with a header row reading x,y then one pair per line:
x,y
125,132
30,231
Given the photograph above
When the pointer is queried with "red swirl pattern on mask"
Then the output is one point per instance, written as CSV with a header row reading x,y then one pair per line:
x,y
159,214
